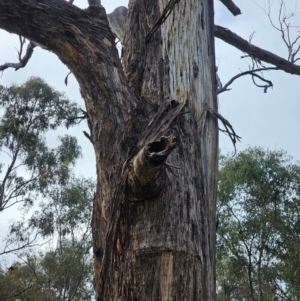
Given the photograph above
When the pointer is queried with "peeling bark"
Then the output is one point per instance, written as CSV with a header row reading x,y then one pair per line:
x,y
167,230
162,248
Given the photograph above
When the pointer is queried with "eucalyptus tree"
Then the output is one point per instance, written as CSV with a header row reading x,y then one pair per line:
x,y
56,276
29,112
29,167
258,234
153,221
62,269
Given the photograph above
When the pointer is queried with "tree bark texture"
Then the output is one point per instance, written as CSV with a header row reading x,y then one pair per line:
x,y
154,208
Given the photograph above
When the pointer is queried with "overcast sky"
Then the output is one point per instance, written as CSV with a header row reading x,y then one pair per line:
x,y
261,119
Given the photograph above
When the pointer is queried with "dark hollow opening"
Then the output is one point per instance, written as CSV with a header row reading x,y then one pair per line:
x,y
157,146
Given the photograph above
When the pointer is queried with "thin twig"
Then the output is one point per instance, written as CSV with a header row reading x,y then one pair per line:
x,y
228,127
22,60
265,87
249,72
66,79
284,27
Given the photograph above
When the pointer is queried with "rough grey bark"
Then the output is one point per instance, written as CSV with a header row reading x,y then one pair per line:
x,y
174,235
162,247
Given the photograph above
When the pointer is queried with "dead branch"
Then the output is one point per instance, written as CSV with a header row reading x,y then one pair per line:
x,y
22,60
88,136
268,85
66,79
233,39
231,7
228,127
284,26
249,72
29,242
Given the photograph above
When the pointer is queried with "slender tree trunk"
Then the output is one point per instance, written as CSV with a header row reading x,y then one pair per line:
x,y
154,209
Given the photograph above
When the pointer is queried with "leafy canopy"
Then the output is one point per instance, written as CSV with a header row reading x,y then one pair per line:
x,y
258,254
30,111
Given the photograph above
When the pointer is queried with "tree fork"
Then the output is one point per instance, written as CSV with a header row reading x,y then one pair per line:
x,y
162,249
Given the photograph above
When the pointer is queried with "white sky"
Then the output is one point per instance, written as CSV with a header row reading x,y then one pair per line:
x,y
270,120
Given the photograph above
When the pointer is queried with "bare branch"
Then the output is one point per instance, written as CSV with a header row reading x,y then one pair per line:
x,y
284,26
28,243
66,79
249,72
22,42
233,39
228,127
22,61
265,87
3,201
231,7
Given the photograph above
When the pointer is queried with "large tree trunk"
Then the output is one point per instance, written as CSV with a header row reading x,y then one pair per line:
x,y
154,220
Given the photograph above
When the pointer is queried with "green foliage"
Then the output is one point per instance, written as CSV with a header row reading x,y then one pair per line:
x,y
67,209
64,215
15,282
65,271
56,276
258,244
29,112
33,171
37,105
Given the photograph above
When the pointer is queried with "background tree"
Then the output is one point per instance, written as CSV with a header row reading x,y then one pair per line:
x,y
50,276
63,270
30,111
37,172
258,240
31,167
140,246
